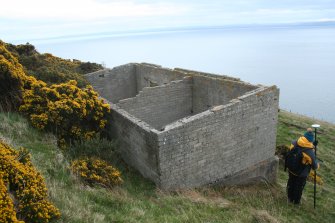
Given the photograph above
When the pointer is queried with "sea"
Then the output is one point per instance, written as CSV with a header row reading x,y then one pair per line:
x,y
299,60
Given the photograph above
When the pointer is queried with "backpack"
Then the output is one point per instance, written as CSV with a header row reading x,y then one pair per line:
x,y
293,160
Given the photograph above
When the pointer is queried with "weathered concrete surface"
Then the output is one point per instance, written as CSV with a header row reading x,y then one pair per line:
x,y
138,142
211,91
186,129
161,105
115,84
222,141
150,75
263,171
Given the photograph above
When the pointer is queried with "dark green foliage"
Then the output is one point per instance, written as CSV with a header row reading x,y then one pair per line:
x,y
22,49
88,67
49,68
26,49
98,147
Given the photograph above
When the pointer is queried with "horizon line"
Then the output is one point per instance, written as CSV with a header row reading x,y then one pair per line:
x,y
167,30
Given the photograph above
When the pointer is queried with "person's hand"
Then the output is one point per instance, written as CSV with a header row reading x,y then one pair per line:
x,y
315,143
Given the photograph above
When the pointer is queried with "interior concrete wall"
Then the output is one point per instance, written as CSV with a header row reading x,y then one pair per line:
x,y
209,92
150,75
115,84
161,105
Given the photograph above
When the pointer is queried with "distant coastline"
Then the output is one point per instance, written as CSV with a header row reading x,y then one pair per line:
x,y
171,30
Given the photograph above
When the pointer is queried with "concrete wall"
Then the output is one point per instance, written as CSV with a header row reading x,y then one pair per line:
x,y
150,75
115,84
138,143
209,92
161,105
230,143
215,144
204,74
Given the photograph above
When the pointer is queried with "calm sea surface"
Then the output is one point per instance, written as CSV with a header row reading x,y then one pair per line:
x,y
300,61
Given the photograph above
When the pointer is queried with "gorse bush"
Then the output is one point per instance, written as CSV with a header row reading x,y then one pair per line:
x,y
95,171
19,178
12,80
49,68
68,111
7,211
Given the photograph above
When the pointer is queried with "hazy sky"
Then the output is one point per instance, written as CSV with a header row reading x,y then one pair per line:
x,y
24,20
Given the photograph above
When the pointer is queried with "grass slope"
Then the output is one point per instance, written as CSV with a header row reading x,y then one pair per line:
x,y
138,200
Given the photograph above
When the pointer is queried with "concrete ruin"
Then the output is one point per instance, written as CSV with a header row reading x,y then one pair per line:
x,y
185,129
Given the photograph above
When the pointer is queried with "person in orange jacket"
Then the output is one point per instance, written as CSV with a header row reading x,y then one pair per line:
x,y
297,181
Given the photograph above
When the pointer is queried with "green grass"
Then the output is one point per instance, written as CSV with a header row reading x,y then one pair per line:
x,y
138,200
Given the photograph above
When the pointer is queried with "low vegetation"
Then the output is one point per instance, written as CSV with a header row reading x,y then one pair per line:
x,y
12,80
23,189
66,110
51,69
138,200
95,171
70,112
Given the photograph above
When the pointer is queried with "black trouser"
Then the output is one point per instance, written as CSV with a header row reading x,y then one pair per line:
x,y
295,186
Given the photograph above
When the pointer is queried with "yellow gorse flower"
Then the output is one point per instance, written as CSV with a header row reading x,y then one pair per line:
x,y
55,108
65,109
95,171
12,80
19,177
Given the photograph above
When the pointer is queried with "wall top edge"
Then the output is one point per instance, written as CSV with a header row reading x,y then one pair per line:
x,y
182,71
218,108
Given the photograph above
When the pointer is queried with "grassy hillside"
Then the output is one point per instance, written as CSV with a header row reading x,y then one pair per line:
x,y
138,200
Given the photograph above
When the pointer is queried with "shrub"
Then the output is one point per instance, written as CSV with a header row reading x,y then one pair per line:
x,y
65,109
88,67
12,80
95,171
27,186
26,49
68,111
49,68
7,211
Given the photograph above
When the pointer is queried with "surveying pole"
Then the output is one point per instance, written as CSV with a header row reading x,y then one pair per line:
x,y
315,126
